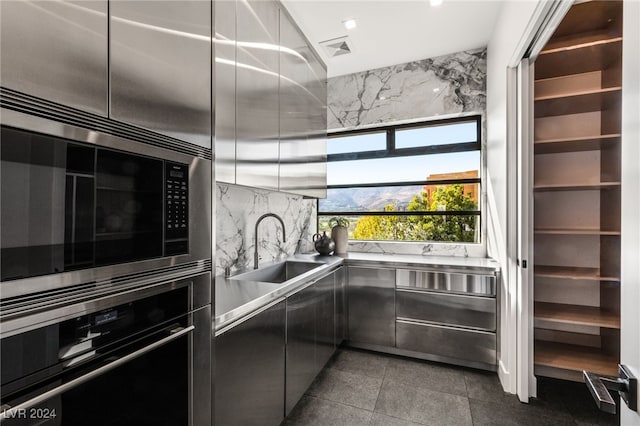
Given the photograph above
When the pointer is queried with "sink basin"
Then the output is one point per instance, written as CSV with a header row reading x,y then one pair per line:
x,y
279,272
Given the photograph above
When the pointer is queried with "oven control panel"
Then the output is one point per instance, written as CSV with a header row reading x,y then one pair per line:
x,y
176,208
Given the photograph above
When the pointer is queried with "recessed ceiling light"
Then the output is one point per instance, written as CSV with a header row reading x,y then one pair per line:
x,y
435,3
436,90
349,24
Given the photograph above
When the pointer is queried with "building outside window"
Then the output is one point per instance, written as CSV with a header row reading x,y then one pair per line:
x,y
409,182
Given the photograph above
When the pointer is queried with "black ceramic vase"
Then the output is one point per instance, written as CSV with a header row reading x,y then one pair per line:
x,y
324,244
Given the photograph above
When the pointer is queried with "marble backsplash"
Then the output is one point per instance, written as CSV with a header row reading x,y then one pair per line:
x,y
444,85
238,208
419,249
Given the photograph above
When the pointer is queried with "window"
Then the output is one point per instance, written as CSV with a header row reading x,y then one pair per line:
x,y
412,182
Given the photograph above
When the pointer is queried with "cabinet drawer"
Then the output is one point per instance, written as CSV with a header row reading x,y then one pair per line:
x,y
451,282
476,346
466,311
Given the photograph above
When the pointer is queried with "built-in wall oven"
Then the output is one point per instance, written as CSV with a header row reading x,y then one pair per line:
x,y
81,205
131,356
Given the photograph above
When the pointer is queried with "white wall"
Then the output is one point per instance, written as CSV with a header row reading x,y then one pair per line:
x,y
506,39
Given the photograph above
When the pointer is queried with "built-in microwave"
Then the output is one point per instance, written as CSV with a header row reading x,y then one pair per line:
x,y
79,205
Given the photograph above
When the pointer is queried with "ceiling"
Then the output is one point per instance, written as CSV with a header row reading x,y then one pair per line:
x,y
394,31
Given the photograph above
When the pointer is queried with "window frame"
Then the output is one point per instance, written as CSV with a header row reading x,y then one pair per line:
x,y
391,151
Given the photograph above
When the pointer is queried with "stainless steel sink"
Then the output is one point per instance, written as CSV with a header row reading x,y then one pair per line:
x,y
279,272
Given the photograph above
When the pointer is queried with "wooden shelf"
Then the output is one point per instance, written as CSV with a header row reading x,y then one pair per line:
x,y
576,314
577,102
567,361
576,55
572,273
589,17
584,143
584,231
576,186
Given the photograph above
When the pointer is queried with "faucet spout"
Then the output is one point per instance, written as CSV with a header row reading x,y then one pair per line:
x,y
255,235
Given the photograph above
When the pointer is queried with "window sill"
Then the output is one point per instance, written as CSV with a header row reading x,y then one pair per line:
x,y
420,248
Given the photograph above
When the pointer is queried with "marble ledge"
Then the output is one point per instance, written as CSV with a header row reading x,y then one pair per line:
x,y
445,263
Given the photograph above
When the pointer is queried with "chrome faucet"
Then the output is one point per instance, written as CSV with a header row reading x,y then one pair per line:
x,y
255,238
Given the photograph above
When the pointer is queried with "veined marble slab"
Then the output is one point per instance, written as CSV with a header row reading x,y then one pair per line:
x,y
444,85
237,210
420,249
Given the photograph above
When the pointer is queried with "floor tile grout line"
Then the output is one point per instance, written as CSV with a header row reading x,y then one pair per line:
x,y
466,388
341,403
384,376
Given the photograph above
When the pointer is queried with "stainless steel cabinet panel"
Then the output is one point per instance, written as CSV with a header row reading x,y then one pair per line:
x,y
466,311
483,285
295,74
249,365
372,306
161,67
56,50
447,342
317,139
257,82
302,114
225,90
341,306
325,320
300,349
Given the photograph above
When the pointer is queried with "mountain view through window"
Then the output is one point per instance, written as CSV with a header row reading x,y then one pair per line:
x,y
423,185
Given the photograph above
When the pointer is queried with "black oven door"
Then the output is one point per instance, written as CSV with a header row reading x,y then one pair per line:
x,y
148,386
143,362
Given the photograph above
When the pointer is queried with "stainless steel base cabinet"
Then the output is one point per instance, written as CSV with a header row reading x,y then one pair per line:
x,y
447,316
372,313
249,379
301,345
341,306
311,336
325,331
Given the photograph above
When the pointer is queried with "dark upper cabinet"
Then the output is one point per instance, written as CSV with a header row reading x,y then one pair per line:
x,y
56,50
160,63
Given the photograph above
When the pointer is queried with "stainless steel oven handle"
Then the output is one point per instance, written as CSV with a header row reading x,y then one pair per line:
x,y
10,412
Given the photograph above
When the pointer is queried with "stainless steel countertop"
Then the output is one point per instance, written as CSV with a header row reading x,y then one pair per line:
x,y
236,299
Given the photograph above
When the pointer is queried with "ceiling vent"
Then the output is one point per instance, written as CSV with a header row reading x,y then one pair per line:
x,y
337,46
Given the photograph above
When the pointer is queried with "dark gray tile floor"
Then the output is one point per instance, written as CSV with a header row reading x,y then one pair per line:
x,y
365,388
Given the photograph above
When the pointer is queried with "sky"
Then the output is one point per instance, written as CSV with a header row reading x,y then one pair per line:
x,y
399,169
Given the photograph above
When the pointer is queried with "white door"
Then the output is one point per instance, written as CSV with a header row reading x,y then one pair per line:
x,y
525,381
630,240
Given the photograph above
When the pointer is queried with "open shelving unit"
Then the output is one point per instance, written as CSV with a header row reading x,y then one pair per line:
x,y
576,193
